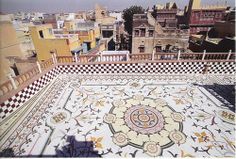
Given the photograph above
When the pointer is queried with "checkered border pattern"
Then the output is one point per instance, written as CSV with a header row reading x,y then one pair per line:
x,y
21,97
157,68
148,68
222,68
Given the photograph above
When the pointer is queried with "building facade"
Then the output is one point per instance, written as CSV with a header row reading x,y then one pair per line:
x,y
202,18
149,36
220,38
88,33
46,42
166,15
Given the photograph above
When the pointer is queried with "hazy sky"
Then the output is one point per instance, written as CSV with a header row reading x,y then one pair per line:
x,y
11,6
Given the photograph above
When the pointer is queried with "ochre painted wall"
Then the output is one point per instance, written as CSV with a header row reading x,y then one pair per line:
x,y
43,46
9,46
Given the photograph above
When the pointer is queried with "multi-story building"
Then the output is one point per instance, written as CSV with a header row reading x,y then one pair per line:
x,y
22,33
149,36
88,33
220,38
50,19
202,18
12,47
46,42
108,26
166,15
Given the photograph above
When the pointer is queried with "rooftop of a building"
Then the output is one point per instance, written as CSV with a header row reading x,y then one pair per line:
x,y
122,105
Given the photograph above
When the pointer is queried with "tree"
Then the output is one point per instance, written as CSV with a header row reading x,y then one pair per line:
x,y
128,17
154,11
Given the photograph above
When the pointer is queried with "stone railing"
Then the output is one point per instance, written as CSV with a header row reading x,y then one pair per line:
x,y
109,58
15,82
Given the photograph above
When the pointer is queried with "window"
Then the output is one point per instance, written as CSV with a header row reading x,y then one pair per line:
x,y
41,33
150,33
158,49
50,31
142,32
141,49
136,32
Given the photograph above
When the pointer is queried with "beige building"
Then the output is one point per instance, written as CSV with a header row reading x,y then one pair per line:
x,y
149,36
9,46
23,36
102,16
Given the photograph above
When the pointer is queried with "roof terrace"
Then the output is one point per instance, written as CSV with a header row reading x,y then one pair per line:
x,y
122,105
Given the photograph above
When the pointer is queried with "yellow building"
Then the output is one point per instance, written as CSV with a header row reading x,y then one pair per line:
x,y
9,46
45,42
87,31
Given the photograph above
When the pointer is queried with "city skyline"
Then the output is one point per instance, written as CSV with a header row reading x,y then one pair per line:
x,y
13,6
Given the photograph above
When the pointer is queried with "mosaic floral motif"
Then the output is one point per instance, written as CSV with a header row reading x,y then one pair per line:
x,y
145,120
178,101
58,118
109,118
120,139
202,137
138,97
142,121
227,116
160,102
97,142
135,84
177,137
152,149
119,103
177,117
100,103
67,120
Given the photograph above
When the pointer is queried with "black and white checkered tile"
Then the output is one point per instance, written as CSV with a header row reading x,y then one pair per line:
x,y
222,68
157,68
174,68
21,97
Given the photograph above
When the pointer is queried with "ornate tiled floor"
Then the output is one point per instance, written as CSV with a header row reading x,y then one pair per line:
x,y
120,117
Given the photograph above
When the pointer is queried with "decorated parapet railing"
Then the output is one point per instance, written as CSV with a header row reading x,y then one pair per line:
x,y
162,62
91,58
15,82
19,89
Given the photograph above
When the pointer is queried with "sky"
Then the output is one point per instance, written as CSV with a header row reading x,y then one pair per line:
x,y
52,6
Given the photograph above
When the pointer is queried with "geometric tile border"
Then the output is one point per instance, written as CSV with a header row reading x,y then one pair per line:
x,y
22,96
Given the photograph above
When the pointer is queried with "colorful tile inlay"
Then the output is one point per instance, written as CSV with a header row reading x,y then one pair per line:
x,y
119,117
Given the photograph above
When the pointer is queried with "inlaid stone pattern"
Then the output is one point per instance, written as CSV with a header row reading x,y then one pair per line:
x,y
121,116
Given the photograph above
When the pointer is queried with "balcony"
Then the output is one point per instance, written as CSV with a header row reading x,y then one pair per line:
x,y
127,104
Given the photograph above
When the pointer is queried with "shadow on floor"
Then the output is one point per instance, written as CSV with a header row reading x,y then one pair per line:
x,y
224,93
73,149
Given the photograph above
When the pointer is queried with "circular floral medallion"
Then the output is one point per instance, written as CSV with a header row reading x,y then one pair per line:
x,y
177,117
177,137
120,139
109,118
145,120
152,149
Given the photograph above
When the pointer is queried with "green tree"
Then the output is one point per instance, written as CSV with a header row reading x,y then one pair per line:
x,y
154,11
128,17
